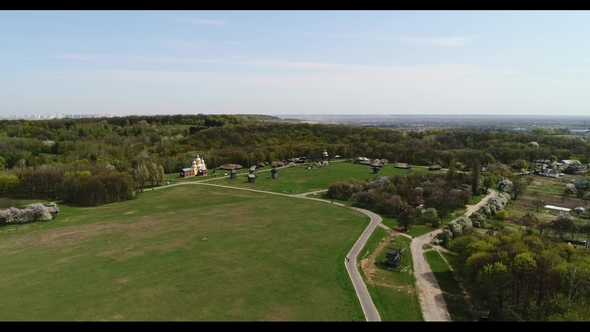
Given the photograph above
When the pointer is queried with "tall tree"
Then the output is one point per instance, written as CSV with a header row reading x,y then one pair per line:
x,y
475,178
407,216
518,188
537,201
489,181
161,175
141,175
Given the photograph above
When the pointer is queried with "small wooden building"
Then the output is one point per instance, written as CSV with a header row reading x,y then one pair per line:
x,y
229,167
233,174
273,173
403,165
434,168
376,169
251,178
253,169
393,257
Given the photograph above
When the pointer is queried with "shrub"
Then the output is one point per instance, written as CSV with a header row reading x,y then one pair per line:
x,y
502,215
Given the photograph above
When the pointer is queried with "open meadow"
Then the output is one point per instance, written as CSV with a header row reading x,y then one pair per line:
x,y
184,253
298,179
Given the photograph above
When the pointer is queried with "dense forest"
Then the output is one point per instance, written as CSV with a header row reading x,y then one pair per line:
x,y
412,198
523,277
36,155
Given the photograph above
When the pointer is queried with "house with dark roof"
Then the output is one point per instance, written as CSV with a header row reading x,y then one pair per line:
x,y
393,257
251,178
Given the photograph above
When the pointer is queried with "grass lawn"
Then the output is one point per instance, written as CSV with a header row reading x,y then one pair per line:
x,y
476,199
415,230
298,179
175,178
392,291
146,259
452,291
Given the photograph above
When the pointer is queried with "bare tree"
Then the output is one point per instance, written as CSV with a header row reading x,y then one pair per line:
x,y
518,188
568,191
538,202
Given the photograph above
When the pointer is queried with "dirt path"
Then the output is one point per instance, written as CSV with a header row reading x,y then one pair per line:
x,y
432,302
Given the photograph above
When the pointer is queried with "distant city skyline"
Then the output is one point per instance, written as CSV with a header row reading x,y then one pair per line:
x,y
294,62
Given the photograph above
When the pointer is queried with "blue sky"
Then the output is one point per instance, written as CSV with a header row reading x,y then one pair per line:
x,y
295,62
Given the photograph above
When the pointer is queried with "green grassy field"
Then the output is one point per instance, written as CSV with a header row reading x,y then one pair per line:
x,y
266,257
452,291
392,291
298,179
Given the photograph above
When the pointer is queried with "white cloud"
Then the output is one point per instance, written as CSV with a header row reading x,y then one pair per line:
x,y
433,41
94,57
319,34
203,21
186,44
81,57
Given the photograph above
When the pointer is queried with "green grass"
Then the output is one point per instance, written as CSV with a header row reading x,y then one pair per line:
x,y
426,246
267,257
298,179
415,230
392,291
323,196
452,292
175,178
476,199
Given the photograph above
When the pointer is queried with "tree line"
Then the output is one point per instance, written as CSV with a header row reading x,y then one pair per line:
x,y
412,198
127,144
521,277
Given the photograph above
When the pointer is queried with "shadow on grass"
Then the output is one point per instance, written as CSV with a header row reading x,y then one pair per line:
x,y
453,296
457,305
385,267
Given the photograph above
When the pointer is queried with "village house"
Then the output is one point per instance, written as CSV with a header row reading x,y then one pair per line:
x,y
402,165
229,167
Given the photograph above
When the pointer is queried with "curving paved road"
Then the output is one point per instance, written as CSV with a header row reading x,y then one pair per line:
x,y
369,309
